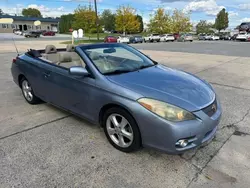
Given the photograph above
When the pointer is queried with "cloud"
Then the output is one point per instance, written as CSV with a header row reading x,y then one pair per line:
x,y
49,12
245,20
45,11
210,7
232,14
171,1
244,6
80,0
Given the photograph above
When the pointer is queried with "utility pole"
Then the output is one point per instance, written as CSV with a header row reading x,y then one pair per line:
x,y
97,21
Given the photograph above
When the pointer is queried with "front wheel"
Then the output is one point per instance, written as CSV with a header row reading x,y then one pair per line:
x,y
28,92
121,130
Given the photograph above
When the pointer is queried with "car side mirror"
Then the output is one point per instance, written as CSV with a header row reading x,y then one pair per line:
x,y
78,71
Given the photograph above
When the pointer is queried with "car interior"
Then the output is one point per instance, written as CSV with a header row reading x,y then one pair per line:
x,y
67,58
64,58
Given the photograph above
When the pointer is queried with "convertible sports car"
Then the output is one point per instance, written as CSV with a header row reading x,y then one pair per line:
x,y
137,101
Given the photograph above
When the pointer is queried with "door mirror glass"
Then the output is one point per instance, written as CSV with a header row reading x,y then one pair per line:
x,y
78,71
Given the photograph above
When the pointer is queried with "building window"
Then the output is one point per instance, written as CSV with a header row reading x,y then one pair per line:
x,y
38,27
48,27
13,26
5,26
29,26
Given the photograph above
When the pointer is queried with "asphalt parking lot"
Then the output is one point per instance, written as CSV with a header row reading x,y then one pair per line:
x,y
42,146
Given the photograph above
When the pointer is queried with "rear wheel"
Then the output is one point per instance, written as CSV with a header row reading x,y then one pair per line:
x,y
28,92
121,130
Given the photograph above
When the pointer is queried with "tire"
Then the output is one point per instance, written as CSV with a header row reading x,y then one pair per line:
x,y
31,99
114,133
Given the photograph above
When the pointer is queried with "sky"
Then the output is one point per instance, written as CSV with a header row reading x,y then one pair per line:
x,y
239,10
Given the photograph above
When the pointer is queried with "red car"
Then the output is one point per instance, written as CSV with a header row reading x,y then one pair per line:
x,y
48,33
176,36
110,39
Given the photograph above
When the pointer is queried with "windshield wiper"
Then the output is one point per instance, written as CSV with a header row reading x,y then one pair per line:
x,y
144,66
117,72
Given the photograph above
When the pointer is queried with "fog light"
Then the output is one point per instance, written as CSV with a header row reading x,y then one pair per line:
x,y
183,143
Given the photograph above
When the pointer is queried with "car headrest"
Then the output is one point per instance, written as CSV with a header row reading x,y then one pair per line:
x,y
94,56
64,57
50,49
70,48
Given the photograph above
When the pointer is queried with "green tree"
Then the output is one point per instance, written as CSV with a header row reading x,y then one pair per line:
x,y
31,12
1,12
203,27
107,20
161,22
181,22
85,18
140,19
221,21
126,20
66,22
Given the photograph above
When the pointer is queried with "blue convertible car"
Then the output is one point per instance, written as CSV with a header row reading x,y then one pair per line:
x,y
137,101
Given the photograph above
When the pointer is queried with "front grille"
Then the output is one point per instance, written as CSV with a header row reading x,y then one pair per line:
x,y
211,109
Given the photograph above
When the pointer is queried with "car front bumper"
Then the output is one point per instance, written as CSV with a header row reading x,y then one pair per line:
x,y
163,135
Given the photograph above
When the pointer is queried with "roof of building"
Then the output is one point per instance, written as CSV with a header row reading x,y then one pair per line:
x,y
22,18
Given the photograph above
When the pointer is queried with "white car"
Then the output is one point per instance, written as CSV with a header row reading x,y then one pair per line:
x,y
214,37
18,32
207,37
167,37
243,36
152,38
123,39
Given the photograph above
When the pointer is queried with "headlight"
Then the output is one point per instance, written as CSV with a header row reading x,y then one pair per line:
x,y
165,110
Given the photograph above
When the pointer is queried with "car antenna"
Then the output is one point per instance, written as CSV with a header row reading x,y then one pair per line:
x,y
15,46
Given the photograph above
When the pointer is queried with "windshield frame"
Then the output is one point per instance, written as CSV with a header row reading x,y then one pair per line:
x,y
131,49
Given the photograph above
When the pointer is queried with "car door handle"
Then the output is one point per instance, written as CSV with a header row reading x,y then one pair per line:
x,y
46,74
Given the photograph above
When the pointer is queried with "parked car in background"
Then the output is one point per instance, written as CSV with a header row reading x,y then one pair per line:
x,y
176,36
31,34
245,26
185,37
18,32
243,36
208,37
167,37
136,39
49,33
201,37
110,39
152,38
123,39
225,37
214,37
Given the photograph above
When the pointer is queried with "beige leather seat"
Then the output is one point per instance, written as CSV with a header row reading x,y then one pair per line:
x,y
70,48
51,54
65,60
100,62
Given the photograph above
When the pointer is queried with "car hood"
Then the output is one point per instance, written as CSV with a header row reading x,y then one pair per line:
x,y
168,85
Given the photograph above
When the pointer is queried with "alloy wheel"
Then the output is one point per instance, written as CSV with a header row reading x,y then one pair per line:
x,y
119,130
27,91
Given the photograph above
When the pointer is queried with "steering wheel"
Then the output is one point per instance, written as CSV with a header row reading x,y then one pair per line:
x,y
106,62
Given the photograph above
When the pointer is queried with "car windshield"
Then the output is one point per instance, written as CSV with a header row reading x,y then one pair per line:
x,y
155,34
117,58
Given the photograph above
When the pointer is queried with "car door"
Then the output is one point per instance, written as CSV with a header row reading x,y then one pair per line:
x,y
70,92
37,71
